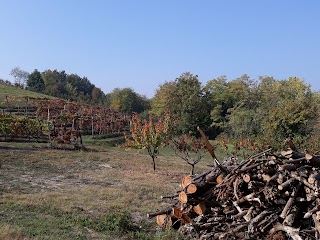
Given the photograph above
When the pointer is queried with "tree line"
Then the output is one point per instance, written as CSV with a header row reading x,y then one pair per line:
x,y
76,88
264,110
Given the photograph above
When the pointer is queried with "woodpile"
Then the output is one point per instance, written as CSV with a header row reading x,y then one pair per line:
x,y
267,196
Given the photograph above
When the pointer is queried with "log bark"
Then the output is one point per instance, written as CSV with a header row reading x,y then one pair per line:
x,y
292,232
291,200
207,143
313,160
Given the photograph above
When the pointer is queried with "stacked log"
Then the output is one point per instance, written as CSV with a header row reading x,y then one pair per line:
x,y
267,196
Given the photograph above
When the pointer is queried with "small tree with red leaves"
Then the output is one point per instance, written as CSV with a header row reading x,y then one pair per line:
x,y
149,135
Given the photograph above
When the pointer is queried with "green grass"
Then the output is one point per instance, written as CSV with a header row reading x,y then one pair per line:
x,y
100,144
115,142
7,90
46,222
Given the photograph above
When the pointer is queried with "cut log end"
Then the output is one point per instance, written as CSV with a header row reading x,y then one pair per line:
x,y
186,181
183,197
309,157
191,188
246,178
164,221
219,179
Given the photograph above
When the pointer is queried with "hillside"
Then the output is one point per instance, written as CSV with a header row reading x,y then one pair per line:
x,y
7,90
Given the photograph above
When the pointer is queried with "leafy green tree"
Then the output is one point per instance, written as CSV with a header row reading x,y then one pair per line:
x,y
35,82
70,86
79,89
163,98
270,110
292,112
242,119
232,104
220,101
128,101
97,95
187,102
55,83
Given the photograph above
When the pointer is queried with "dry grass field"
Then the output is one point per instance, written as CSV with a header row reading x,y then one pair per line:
x,y
100,194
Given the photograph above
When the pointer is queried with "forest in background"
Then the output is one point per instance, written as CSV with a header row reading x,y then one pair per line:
x,y
261,112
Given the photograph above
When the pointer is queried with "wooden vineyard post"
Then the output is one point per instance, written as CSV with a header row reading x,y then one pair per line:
x,y
92,129
48,123
8,107
27,106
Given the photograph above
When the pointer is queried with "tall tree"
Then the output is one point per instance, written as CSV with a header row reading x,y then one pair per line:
x,y
270,110
220,101
163,98
231,97
97,95
190,106
35,82
78,88
128,101
55,83
20,76
242,119
292,110
186,100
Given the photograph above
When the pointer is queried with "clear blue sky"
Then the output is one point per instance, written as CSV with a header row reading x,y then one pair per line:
x,y
142,43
